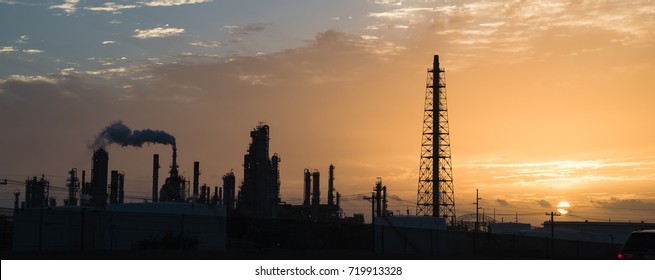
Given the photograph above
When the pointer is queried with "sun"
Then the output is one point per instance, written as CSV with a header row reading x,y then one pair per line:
x,y
563,204
562,207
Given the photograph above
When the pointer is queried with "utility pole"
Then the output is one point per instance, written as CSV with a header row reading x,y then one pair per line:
x,y
552,232
477,210
477,222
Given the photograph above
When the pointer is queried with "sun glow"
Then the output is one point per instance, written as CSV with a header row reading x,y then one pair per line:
x,y
562,207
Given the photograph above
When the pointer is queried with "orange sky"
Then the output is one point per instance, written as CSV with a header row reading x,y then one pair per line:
x,y
548,102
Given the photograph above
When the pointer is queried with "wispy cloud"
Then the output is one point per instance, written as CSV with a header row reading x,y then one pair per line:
x,y
625,204
169,3
110,7
32,51
15,2
108,42
400,13
27,78
22,39
159,32
69,6
502,202
206,44
245,30
545,204
7,49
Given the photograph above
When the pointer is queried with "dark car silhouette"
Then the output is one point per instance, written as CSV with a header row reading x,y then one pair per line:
x,y
640,245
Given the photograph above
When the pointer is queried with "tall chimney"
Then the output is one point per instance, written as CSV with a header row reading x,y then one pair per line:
x,y
384,201
174,171
121,188
113,187
308,183
331,187
215,196
196,175
16,198
378,197
155,176
338,200
316,193
99,178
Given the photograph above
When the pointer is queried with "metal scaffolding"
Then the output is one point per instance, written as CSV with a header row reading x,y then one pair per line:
x,y
436,193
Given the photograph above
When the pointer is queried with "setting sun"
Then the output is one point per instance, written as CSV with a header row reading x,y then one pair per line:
x,y
562,207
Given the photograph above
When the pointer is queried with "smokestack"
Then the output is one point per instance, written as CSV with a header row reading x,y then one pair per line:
x,y
16,199
99,178
378,196
316,193
155,177
121,188
331,187
338,200
384,201
220,196
173,171
308,182
275,161
113,187
215,196
316,198
196,175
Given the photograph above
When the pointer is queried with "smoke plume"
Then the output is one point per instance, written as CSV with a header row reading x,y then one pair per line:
x,y
119,133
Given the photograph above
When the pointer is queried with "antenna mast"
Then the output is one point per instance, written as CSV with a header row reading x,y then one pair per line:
x,y
436,193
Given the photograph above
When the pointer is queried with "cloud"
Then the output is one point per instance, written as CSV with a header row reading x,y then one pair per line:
x,y
206,44
544,204
159,32
625,204
108,42
29,3
169,3
22,39
399,13
245,30
69,6
110,7
7,49
502,202
32,51
28,79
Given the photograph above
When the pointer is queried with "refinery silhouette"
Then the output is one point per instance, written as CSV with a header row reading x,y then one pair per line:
x,y
250,220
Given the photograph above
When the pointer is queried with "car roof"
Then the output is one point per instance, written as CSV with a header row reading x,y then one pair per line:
x,y
644,230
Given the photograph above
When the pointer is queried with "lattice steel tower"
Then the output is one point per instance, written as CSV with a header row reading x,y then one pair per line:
x,y
436,193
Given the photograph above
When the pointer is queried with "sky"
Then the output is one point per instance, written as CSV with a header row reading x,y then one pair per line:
x,y
549,101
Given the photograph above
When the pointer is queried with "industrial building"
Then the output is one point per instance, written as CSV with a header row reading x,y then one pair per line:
x,y
134,226
259,195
